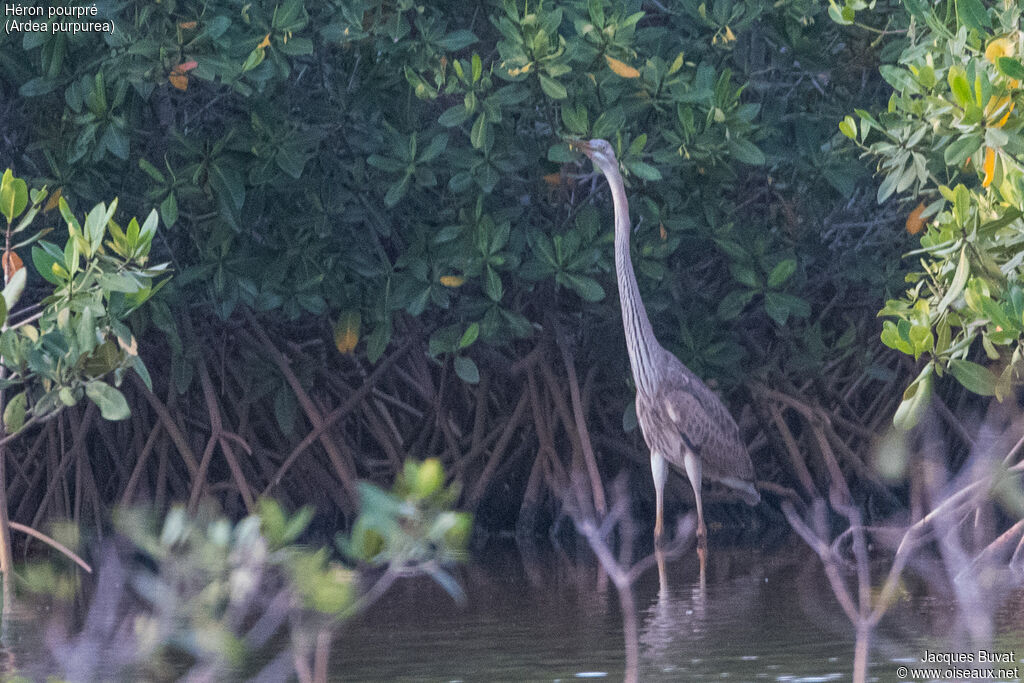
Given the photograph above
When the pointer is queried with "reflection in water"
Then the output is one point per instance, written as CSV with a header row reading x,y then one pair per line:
x,y
763,616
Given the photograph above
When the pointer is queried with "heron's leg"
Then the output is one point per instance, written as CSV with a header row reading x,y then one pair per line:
x,y
692,464
660,473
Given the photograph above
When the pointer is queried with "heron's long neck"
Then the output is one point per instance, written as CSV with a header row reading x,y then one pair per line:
x,y
640,340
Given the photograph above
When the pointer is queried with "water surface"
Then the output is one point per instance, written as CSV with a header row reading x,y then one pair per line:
x,y
763,616
533,615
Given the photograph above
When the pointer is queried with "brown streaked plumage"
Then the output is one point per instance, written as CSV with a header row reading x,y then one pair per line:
x,y
682,420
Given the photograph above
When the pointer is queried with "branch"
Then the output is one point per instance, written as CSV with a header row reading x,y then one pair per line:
x,y
56,545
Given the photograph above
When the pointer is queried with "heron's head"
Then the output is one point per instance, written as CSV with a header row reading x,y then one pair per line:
x,y
600,152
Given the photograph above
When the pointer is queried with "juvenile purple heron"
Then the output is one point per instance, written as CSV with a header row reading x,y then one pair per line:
x,y
682,420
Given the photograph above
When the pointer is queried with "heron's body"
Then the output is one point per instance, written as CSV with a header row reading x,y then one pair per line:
x,y
683,422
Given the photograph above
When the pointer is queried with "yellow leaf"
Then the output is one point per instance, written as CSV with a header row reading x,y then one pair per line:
x,y
524,69
265,43
1002,122
1006,116
662,231
989,167
553,179
1000,47
53,202
676,65
346,331
452,280
914,221
729,35
187,25
621,68
131,348
178,80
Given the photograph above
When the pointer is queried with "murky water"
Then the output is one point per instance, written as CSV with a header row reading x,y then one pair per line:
x,y
763,616
544,616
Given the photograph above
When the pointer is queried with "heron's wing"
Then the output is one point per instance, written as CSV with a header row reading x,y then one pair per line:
x,y
707,429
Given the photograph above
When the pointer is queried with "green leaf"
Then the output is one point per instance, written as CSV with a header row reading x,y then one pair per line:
x,y
110,401
477,65
586,287
148,230
973,15
733,303
959,86
973,377
386,164
492,284
781,272
96,226
297,524
643,170
915,401
378,341
899,78
1012,68
454,116
780,306
609,123
746,152
848,127
478,134
228,184
44,261
119,282
397,191
956,287
14,413
436,146
552,88
840,15
456,40
152,171
958,151
470,335
254,59
776,309
13,196
561,154
169,210
575,118
466,369
887,187
745,275
291,160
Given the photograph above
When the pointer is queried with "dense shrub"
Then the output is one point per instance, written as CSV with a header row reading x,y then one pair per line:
x,y
364,173
952,137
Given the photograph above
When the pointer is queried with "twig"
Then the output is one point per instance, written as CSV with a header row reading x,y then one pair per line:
x,y
56,545
338,413
581,423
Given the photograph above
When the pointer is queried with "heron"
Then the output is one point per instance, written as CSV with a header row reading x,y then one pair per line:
x,y
684,423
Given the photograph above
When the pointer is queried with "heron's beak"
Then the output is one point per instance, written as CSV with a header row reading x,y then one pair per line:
x,y
580,146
